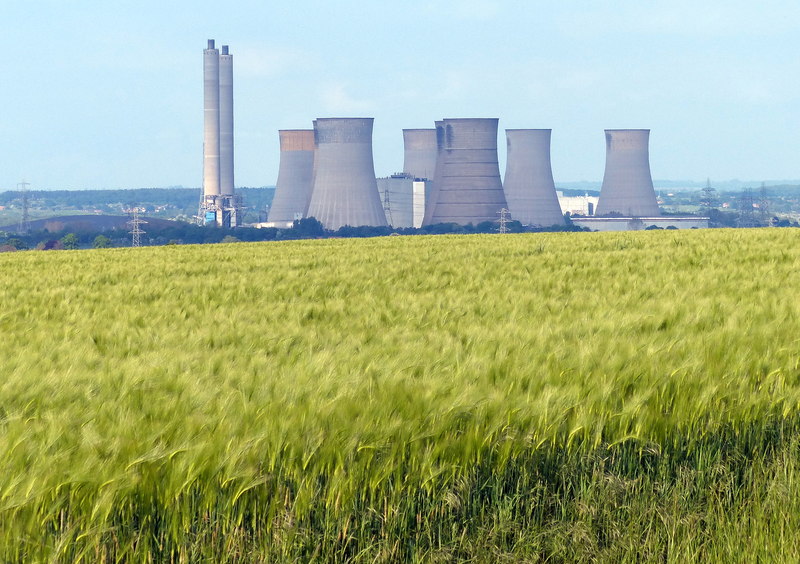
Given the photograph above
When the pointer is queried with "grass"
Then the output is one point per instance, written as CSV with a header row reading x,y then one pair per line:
x,y
548,397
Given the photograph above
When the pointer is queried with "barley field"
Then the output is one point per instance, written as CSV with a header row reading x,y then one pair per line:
x,y
565,397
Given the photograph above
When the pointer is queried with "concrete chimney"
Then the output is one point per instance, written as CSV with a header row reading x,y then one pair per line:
x,y
226,122
211,133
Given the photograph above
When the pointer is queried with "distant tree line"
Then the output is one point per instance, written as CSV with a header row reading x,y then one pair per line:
x,y
181,233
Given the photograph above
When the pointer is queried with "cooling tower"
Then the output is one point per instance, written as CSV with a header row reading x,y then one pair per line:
x,y
420,152
528,183
211,120
627,184
314,167
293,188
431,194
345,191
225,122
467,186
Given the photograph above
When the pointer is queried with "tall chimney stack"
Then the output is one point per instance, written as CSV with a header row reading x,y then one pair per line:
x,y
226,122
211,140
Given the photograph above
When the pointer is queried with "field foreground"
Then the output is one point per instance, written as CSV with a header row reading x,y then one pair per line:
x,y
498,398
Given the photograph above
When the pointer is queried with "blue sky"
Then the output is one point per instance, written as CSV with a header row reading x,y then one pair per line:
x,y
108,94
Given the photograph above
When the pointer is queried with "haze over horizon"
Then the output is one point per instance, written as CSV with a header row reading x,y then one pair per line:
x,y
100,96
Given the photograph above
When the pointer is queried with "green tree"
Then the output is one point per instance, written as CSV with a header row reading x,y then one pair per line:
x,y
307,228
70,241
18,244
101,242
50,245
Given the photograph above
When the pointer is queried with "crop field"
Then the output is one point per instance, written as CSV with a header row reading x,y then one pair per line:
x,y
565,397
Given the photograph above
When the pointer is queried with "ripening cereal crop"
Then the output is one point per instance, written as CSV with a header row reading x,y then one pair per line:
x,y
538,397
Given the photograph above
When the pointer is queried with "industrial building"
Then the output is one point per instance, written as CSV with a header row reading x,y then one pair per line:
x,y
295,177
345,191
528,183
627,185
577,205
466,185
403,199
219,205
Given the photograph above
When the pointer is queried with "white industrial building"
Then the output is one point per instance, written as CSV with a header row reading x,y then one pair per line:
x,y
577,205
403,199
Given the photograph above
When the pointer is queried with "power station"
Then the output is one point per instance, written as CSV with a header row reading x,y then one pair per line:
x,y
219,204
466,185
528,182
345,190
451,173
627,185
295,176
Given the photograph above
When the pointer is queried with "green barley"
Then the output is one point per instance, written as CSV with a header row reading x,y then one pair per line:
x,y
560,397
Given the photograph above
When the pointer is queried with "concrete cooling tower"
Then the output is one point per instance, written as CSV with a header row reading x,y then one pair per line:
x,y
627,185
431,193
225,122
420,153
466,185
211,131
528,183
295,171
345,190
313,168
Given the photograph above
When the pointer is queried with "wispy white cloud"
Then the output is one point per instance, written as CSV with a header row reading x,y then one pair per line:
x,y
336,98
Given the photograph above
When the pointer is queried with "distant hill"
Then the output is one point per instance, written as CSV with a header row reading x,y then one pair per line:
x,y
166,203
88,223
179,197
688,185
140,196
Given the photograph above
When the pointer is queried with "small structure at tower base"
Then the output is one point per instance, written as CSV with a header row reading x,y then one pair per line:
x,y
222,210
